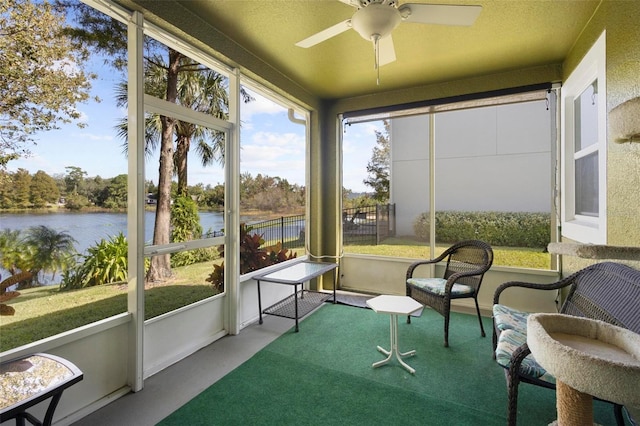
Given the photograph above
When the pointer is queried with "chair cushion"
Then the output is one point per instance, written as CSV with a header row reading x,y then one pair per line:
x,y
508,342
436,286
513,334
507,318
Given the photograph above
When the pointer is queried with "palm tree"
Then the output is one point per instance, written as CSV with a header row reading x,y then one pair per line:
x,y
182,81
50,250
12,251
171,76
198,88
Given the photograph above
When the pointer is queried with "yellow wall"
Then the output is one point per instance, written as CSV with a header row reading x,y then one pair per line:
x,y
620,20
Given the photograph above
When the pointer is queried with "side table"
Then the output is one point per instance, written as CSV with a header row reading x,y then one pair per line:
x,y
27,381
296,275
394,306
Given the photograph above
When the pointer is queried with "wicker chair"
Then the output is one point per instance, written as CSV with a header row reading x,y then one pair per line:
x,y
467,261
606,291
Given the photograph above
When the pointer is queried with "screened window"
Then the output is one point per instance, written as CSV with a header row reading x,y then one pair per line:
x,y
584,150
272,178
480,170
71,191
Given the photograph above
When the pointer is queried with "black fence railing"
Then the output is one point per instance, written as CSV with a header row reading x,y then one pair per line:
x,y
366,225
287,229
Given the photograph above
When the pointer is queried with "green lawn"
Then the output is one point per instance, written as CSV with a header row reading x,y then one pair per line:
x,y
45,311
503,256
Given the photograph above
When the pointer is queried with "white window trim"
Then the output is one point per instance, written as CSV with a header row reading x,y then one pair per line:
x,y
579,228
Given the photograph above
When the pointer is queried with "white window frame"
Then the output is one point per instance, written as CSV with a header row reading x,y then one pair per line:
x,y
580,228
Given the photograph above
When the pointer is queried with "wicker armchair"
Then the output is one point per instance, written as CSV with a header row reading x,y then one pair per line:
x,y
467,261
606,291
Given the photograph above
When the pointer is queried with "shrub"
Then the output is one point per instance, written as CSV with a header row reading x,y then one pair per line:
x,y
505,229
252,256
106,262
185,226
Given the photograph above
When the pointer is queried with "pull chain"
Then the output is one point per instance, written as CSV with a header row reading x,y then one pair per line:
x,y
376,51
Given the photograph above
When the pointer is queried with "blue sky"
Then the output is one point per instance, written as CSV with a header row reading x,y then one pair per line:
x,y
271,144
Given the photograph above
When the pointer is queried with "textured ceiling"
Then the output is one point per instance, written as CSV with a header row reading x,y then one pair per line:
x,y
508,35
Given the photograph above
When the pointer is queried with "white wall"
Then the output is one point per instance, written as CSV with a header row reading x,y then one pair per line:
x,y
487,159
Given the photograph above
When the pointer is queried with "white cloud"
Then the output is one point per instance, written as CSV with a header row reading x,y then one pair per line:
x,y
260,105
275,154
94,137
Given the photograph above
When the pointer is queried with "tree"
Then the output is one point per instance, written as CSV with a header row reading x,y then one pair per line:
x,y
20,187
43,78
175,78
50,250
12,252
74,180
43,190
379,165
115,193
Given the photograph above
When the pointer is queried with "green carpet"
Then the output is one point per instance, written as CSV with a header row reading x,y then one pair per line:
x,y
323,376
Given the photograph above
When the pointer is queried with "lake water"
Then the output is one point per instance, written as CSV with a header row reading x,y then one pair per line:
x,y
89,228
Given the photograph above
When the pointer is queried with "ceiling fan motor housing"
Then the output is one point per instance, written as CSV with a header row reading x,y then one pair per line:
x,y
377,19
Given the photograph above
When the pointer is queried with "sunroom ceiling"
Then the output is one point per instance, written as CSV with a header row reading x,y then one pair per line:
x,y
508,35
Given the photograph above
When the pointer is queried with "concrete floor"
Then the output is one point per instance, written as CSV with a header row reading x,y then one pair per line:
x,y
171,388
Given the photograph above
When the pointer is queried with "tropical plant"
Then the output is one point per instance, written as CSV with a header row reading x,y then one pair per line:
x,y
252,256
104,263
185,226
13,252
50,250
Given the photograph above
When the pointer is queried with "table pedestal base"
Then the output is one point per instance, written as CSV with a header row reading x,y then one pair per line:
x,y
394,348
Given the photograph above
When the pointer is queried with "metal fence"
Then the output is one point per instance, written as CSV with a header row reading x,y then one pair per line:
x,y
367,225
287,229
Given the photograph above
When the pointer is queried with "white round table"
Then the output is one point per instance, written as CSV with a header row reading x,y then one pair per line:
x,y
394,306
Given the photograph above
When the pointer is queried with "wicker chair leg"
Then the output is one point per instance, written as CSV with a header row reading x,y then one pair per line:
x,y
512,404
446,331
617,412
480,319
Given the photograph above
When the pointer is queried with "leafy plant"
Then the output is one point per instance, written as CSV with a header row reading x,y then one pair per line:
x,y
252,256
185,226
106,262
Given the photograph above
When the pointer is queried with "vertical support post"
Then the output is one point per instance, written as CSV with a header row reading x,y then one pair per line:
x,y
135,200
432,188
232,206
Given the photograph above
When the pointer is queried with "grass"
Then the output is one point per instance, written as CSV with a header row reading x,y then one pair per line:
x,y
45,311
503,256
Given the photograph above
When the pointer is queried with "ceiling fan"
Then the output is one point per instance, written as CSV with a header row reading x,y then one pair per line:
x,y
376,19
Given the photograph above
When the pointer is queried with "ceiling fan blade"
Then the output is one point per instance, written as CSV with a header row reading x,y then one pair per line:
x,y
387,51
326,34
354,3
440,14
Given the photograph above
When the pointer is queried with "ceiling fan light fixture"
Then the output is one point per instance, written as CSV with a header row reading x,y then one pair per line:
x,y
375,19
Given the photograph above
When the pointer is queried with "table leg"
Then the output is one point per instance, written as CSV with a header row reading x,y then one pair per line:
x,y
393,331
335,284
259,303
295,297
